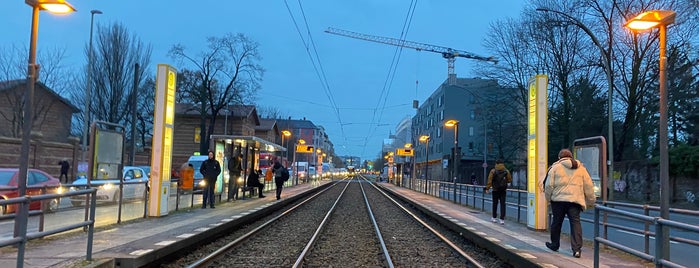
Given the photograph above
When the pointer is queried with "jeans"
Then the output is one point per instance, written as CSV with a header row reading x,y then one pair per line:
x,y
559,211
208,193
499,197
279,185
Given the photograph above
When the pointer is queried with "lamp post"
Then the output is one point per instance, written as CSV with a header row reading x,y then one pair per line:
x,y
285,133
660,19
56,7
426,140
457,155
88,88
225,121
606,63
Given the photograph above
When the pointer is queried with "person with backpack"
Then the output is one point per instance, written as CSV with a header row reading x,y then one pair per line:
x,y
278,169
568,187
498,178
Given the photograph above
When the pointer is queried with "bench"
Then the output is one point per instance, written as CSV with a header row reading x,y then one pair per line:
x,y
251,191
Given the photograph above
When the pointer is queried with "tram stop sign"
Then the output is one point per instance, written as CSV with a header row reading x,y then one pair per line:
x,y
485,165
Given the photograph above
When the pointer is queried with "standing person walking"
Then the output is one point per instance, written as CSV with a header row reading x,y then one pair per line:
x,y
235,167
498,178
210,169
278,171
569,189
65,166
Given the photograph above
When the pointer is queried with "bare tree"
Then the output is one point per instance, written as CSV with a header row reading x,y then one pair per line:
x,y
115,54
227,72
53,75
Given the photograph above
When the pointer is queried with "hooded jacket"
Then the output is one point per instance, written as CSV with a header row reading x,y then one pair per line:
x,y
499,166
569,182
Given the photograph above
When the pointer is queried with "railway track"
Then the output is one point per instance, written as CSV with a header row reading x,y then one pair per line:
x,y
350,224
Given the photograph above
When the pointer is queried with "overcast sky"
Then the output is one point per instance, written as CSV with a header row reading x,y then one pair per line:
x,y
356,71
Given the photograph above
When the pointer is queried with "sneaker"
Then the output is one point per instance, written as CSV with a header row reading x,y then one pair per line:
x,y
502,222
494,220
203,207
576,254
551,246
212,207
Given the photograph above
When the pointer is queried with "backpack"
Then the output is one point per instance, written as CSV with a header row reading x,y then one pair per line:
x,y
285,174
499,182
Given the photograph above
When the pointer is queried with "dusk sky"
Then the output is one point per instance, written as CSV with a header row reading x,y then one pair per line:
x,y
356,71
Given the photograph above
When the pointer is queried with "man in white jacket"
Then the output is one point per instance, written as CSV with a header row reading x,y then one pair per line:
x,y
569,188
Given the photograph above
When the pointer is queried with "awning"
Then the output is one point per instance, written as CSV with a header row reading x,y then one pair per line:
x,y
263,144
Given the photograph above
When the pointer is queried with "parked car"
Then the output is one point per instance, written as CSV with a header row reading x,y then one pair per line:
x,y
36,179
196,161
108,189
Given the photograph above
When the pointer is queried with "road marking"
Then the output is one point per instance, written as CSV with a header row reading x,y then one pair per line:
x,y
640,235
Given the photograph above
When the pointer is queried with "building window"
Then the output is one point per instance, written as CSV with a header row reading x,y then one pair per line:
x,y
441,115
197,137
470,131
439,132
473,114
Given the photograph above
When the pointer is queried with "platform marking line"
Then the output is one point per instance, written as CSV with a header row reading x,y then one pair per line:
x,y
471,228
140,252
165,243
454,220
481,233
244,213
640,235
526,255
548,265
226,220
187,235
508,246
202,229
215,224
492,239
462,224
236,216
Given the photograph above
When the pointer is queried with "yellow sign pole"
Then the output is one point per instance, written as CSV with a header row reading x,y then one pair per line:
x,y
537,161
161,157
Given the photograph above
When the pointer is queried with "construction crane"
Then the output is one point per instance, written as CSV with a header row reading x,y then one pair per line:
x,y
448,53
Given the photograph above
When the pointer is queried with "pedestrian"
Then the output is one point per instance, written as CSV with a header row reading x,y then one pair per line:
x,y
254,181
278,178
473,178
498,178
65,166
210,169
569,189
235,167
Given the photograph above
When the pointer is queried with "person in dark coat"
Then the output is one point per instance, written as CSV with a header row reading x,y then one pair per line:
x,y
254,181
65,166
278,179
235,167
210,169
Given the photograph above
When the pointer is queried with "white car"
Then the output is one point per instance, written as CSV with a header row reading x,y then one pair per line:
x,y
135,187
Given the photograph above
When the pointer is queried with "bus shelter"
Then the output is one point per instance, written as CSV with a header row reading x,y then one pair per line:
x,y
226,147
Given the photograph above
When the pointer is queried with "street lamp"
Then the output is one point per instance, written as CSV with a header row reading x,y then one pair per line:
x,y
457,154
56,7
225,121
647,20
285,133
606,63
88,89
426,140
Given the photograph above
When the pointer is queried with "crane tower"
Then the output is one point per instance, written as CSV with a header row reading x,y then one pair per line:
x,y
448,53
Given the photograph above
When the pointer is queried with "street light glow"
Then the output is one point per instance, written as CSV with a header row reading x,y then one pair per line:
x,y
53,6
286,133
651,19
424,138
408,145
301,141
451,123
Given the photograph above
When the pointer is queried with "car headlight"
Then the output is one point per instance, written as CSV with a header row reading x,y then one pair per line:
x,y
60,190
107,186
202,183
72,188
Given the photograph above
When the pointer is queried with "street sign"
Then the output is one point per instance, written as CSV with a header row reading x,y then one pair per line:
x,y
485,165
304,149
404,152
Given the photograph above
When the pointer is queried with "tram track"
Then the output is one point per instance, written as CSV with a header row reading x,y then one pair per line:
x,y
349,224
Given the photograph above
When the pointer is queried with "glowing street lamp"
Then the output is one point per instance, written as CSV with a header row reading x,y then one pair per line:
x,y
426,140
287,134
57,7
647,20
457,155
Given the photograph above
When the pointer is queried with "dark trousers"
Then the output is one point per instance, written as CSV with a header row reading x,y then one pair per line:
x,y
63,175
499,197
208,194
233,185
280,185
260,187
559,211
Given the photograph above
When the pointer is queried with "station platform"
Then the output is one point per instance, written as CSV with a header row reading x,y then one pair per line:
x,y
154,237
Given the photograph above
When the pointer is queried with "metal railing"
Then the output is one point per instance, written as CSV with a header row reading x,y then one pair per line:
x,y
21,235
658,222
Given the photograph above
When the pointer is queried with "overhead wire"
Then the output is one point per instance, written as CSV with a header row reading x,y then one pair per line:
x,y
383,96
